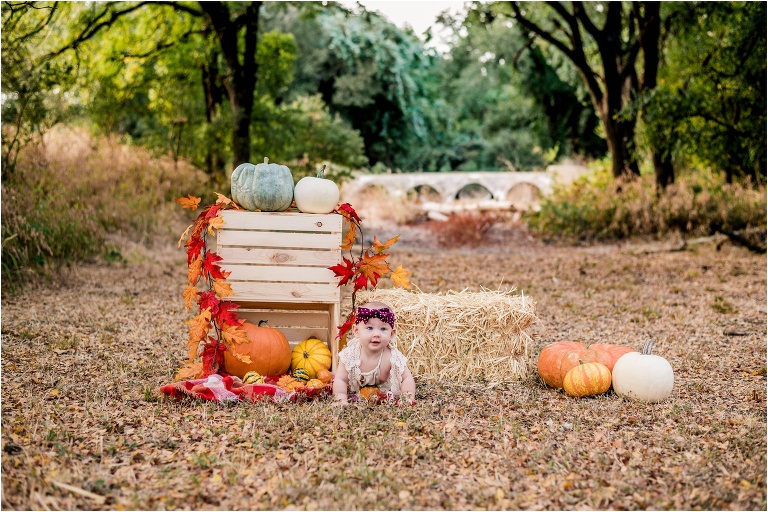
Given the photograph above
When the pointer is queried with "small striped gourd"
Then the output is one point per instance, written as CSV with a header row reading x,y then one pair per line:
x,y
587,379
253,378
301,374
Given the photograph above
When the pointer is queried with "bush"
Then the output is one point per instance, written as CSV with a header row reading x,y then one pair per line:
x,y
598,207
69,192
463,229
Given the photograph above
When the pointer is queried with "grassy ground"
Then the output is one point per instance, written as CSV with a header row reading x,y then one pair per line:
x,y
82,429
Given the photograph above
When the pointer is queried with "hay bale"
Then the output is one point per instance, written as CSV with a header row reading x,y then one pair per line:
x,y
464,335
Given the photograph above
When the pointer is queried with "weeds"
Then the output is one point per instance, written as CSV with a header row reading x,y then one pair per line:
x,y
463,229
598,207
71,191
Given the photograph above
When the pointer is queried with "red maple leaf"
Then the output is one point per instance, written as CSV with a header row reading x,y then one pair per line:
x,y
211,212
344,328
211,268
362,282
195,246
350,212
209,300
345,270
226,315
213,356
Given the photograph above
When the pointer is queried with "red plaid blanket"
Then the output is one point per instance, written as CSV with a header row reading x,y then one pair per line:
x,y
229,388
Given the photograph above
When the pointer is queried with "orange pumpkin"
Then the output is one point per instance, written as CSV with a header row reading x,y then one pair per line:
x,y
315,384
371,393
287,383
556,359
325,376
587,379
268,350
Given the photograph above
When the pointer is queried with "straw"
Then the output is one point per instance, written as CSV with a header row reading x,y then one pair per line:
x,y
462,336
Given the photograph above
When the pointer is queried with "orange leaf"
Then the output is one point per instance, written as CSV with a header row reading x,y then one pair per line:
x,y
184,234
193,346
234,334
215,223
224,200
195,270
199,326
222,288
190,296
380,248
349,238
242,357
189,371
374,267
400,277
190,202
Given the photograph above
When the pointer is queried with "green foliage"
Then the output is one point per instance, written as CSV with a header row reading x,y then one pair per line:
x,y
502,104
710,105
597,207
305,133
276,54
368,71
35,87
142,80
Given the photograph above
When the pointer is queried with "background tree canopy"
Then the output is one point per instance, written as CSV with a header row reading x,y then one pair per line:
x,y
307,82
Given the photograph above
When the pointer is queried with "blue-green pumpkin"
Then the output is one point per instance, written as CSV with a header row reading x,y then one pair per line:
x,y
264,187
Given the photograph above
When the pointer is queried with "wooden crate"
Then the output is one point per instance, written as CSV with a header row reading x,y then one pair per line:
x,y
279,271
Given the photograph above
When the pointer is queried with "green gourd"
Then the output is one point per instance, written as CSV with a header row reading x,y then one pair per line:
x,y
264,187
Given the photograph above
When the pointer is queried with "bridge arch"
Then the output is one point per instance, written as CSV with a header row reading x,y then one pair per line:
x,y
473,190
523,195
501,186
425,193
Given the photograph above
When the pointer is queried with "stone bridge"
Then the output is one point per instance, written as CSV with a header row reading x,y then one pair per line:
x,y
452,190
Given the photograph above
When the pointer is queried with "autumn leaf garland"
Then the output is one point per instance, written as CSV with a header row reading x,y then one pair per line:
x,y
366,270
215,314
206,350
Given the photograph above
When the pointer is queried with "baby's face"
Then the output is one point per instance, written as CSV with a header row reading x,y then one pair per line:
x,y
374,334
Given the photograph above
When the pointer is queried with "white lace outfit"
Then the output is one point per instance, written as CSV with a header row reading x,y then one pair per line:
x,y
350,356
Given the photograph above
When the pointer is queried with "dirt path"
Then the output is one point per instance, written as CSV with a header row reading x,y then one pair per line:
x,y
81,428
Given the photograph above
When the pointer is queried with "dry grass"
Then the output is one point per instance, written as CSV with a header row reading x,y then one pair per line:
x,y
81,353
74,197
463,335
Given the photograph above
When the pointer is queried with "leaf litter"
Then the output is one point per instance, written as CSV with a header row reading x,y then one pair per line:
x,y
82,428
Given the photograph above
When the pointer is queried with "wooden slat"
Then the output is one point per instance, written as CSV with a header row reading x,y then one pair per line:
x,y
283,306
264,273
280,221
286,318
282,292
230,237
279,257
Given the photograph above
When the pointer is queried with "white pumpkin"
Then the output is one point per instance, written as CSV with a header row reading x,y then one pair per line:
x,y
643,376
316,194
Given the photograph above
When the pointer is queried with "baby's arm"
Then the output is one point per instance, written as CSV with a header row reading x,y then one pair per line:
x,y
341,383
408,386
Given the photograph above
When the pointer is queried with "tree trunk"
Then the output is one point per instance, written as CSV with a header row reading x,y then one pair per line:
x,y
616,85
649,21
214,97
619,79
240,82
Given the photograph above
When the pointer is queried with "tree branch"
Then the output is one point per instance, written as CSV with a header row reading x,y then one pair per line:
x,y
97,24
528,24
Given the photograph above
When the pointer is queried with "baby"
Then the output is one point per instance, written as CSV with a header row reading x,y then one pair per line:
x,y
368,360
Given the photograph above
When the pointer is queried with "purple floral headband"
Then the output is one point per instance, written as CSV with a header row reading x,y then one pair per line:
x,y
383,314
